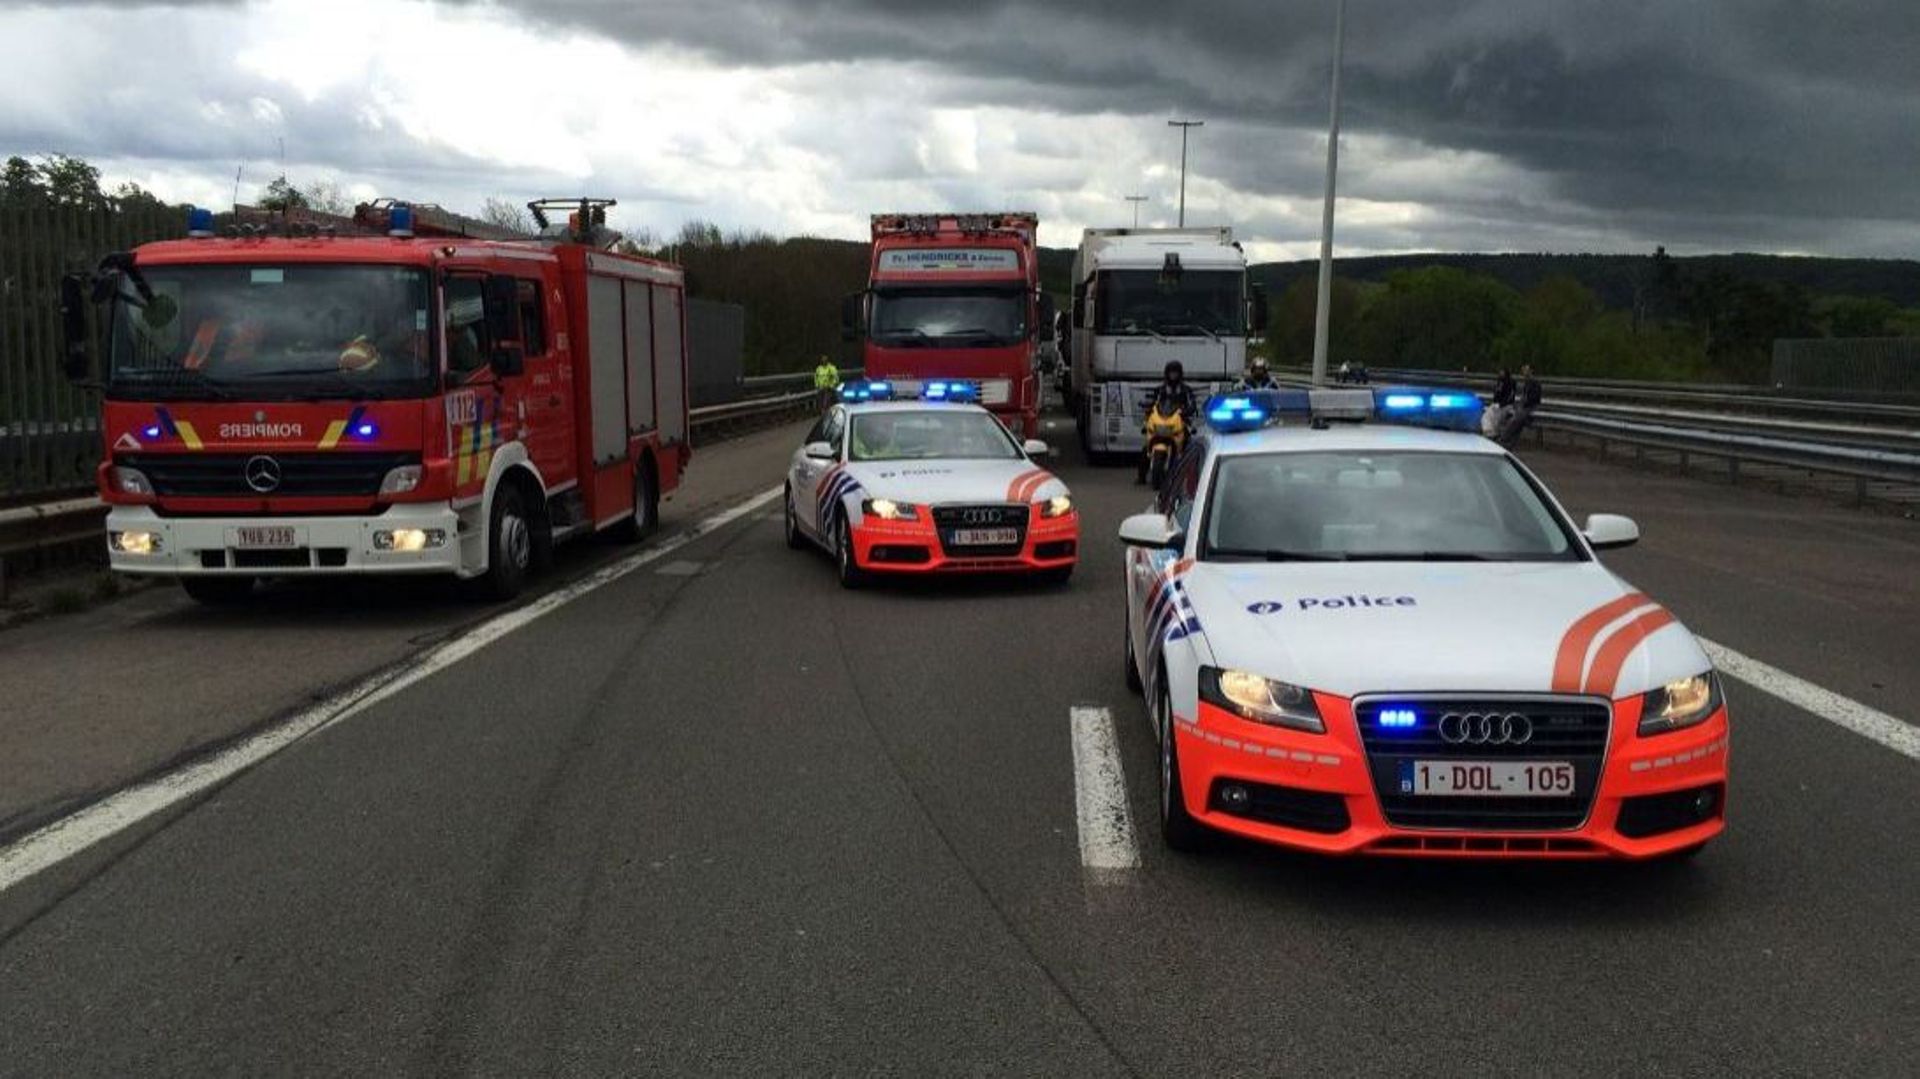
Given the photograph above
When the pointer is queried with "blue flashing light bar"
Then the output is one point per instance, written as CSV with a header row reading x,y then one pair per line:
x,y
199,222
949,390
1247,410
1449,410
866,390
1253,409
1399,719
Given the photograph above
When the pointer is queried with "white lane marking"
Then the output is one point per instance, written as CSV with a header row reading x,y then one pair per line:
x,y
68,836
1899,736
1100,794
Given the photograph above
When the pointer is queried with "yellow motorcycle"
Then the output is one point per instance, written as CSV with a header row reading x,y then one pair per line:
x,y
1166,431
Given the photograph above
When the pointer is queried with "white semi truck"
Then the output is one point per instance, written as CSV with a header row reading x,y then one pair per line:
x,y
1144,297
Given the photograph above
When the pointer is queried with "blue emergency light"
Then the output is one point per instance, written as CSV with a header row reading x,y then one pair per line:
x,y
952,391
400,222
199,222
866,390
1399,718
1248,410
1449,410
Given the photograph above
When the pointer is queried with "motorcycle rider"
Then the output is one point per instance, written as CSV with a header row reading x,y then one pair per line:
x,y
1257,377
1172,395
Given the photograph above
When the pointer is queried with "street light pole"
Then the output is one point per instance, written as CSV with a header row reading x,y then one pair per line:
x,y
1136,200
1184,126
1324,302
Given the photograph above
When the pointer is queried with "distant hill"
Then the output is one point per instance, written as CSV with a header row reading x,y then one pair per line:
x,y
1612,277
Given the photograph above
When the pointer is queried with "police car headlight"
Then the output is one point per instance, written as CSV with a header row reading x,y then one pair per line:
x,y
1261,700
1680,704
1057,506
886,509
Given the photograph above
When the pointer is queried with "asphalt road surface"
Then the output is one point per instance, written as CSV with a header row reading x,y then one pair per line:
x,y
719,816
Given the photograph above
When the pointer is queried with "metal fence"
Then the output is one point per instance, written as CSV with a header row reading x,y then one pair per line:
x,y
1881,366
48,436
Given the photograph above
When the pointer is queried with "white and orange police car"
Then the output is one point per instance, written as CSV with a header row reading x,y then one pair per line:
x,y
1381,638
925,486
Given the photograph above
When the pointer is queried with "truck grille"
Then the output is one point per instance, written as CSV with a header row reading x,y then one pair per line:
x,y
222,475
950,519
1562,729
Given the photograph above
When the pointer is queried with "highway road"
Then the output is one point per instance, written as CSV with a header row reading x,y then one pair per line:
x,y
715,815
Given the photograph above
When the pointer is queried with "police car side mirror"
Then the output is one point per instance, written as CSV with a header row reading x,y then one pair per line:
x,y
1610,531
1155,530
819,451
1033,447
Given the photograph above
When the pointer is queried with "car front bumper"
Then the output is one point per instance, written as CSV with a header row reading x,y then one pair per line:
x,y
1656,795
914,547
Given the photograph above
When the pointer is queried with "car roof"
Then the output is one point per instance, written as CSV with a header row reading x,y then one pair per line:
x,y
1350,438
862,408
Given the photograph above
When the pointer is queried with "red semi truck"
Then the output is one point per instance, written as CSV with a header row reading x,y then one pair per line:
x,y
956,296
290,401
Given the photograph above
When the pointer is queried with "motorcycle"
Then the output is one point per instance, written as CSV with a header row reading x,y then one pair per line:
x,y
1166,436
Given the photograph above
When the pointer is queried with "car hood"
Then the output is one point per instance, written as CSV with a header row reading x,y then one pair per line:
x,y
1364,627
939,481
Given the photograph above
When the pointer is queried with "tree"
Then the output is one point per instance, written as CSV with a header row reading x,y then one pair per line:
x,y
1857,316
70,181
329,197
503,214
281,196
20,183
129,195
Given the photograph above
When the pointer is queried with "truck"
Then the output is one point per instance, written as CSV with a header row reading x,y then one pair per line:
x,y
1141,299
956,297
285,400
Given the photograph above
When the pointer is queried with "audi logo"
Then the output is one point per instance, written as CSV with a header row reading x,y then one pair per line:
x,y
1486,729
980,517
262,474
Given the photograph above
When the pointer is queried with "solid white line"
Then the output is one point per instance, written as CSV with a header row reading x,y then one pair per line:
x,y
1100,794
1861,719
101,820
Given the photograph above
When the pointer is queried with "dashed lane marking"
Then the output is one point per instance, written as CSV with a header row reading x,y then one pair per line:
x,y
68,836
1868,722
1107,843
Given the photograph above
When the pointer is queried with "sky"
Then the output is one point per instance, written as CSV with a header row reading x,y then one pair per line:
x,y
1467,125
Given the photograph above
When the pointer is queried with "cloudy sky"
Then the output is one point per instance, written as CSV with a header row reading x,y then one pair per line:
x,y
1468,125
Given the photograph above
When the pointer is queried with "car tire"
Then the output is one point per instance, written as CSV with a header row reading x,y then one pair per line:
x,y
1132,669
790,523
218,591
851,575
509,546
1178,830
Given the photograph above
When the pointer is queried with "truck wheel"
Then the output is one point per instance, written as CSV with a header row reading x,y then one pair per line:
x,y
851,575
218,591
645,517
1178,830
790,523
509,545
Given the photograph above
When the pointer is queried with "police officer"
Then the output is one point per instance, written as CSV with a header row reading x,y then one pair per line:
x,y
1257,377
826,379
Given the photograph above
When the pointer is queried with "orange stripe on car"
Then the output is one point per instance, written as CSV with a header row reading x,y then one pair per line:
x,y
1031,488
1571,661
1021,481
1615,649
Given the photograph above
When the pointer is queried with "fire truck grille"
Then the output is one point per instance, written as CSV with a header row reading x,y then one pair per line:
x,y
224,475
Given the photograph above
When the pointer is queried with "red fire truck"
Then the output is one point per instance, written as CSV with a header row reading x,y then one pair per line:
x,y
956,296
291,401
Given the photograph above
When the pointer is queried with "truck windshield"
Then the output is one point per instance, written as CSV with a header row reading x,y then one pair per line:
x,y
947,317
1193,303
275,332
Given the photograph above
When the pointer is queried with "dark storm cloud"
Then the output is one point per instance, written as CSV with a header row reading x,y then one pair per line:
x,y
1738,124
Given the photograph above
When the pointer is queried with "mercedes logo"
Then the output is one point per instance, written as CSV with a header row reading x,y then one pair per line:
x,y
1492,729
984,516
263,474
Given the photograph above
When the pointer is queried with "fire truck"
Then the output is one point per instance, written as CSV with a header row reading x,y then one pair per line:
x,y
956,296
400,398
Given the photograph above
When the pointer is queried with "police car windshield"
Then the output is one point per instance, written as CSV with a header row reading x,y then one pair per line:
x,y
275,332
913,436
1381,506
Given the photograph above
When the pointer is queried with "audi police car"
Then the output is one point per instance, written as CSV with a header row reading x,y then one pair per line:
x,y
1389,638
933,485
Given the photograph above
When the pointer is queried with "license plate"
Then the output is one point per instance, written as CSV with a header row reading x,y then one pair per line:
x,y
985,537
275,536
1488,779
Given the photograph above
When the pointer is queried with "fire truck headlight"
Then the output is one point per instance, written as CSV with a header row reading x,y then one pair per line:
x,y
129,481
401,480
1057,506
409,540
134,542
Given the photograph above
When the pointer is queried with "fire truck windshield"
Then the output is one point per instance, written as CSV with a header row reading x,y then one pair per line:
x,y
946,317
1197,302
274,332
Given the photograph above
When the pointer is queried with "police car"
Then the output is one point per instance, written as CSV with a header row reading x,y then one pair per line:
x,y
1389,638
931,485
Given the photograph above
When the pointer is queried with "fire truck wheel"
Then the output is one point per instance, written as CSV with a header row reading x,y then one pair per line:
x,y
510,545
645,517
851,575
218,591
792,524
